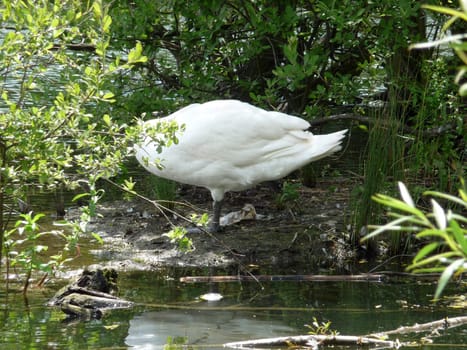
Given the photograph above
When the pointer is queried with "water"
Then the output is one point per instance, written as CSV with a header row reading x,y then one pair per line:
x,y
168,311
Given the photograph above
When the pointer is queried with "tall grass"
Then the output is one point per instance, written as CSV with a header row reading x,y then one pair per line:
x,y
383,165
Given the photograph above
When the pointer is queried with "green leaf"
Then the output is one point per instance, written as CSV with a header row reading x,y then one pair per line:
x,y
107,21
290,50
97,9
446,196
432,259
425,251
97,237
135,55
447,11
447,275
107,120
394,225
432,232
459,235
363,127
397,204
37,217
55,23
79,196
108,96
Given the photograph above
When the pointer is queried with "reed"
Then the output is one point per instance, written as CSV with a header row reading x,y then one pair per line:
x,y
383,165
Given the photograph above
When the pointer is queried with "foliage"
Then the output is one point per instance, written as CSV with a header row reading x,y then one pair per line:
x,y
421,137
320,328
457,41
442,156
442,232
289,195
179,235
56,69
300,57
25,251
307,58
176,343
297,56
384,159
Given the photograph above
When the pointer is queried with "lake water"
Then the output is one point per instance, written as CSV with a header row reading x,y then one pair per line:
x,y
168,312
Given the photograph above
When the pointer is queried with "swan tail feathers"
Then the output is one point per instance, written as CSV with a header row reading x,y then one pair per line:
x,y
325,145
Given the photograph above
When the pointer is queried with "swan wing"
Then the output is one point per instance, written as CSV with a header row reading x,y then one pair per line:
x,y
231,145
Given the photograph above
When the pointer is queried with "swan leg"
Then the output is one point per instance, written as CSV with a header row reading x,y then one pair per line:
x,y
215,222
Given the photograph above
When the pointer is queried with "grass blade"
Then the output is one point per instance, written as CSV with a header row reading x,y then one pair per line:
x,y
446,276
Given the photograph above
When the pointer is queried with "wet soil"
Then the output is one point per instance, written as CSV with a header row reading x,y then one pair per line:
x,y
296,237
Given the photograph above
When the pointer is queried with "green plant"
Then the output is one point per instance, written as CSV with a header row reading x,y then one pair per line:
x,y
442,157
456,40
442,232
179,236
320,328
176,343
23,247
160,189
383,159
422,136
55,132
289,195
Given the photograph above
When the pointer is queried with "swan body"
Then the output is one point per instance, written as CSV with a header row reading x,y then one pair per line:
x,y
230,145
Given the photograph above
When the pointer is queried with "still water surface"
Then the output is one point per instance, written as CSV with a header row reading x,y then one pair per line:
x,y
169,311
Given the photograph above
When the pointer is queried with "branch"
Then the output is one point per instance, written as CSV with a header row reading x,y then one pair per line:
x,y
430,326
427,133
76,47
343,116
374,339
315,278
313,341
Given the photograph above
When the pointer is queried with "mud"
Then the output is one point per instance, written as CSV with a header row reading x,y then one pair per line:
x,y
300,236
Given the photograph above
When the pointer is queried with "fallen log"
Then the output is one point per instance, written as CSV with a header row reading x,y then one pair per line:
x,y
275,278
376,339
313,341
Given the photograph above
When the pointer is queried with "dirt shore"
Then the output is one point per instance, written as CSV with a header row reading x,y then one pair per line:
x,y
301,236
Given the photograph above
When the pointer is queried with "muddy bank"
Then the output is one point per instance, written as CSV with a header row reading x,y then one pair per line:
x,y
297,237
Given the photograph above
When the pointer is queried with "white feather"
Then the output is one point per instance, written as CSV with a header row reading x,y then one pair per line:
x,y
230,145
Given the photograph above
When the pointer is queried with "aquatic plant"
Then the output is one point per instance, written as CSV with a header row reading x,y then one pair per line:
x,y
320,328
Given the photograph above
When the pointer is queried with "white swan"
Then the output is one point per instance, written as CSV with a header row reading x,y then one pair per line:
x,y
230,145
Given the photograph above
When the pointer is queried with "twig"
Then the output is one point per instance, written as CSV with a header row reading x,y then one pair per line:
x,y
430,326
427,133
314,278
372,339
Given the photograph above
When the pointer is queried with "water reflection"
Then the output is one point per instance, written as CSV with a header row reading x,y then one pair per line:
x,y
151,330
